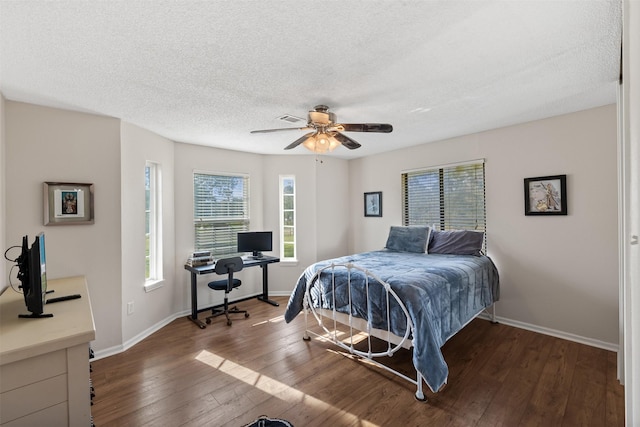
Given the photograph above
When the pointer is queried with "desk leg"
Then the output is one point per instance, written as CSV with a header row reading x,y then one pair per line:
x,y
194,302
265,287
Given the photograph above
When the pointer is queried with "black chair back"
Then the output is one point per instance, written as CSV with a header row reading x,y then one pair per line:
x,y
226,266
229,265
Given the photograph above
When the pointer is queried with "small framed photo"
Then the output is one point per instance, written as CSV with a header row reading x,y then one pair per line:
x,y
545,195
373,203
68,203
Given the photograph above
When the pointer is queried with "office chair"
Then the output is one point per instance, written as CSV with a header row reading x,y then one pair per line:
x,y
226,266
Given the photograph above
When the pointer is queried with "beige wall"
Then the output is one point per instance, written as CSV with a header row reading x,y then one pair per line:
x,y
189,158
541,259
4,280
283,275
155,308
60,145
46,144
322,192
322,197
332,207
558,273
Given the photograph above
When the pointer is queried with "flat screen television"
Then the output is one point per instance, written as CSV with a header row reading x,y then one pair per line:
x,y
32,265
255,242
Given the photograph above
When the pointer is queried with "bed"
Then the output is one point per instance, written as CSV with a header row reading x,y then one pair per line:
x,y
415,297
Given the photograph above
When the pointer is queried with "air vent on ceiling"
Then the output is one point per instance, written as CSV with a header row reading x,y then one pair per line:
x,y
291,119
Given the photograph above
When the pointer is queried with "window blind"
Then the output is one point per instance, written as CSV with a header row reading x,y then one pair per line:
x,y
221,210
448,197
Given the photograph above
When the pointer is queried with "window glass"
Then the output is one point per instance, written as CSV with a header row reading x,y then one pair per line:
x,y
153,221
221,210
287,218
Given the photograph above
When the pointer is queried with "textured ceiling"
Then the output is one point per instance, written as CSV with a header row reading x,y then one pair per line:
x,y
209,72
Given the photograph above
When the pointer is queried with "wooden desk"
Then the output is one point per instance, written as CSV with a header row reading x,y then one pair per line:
x,y
262,262
44,363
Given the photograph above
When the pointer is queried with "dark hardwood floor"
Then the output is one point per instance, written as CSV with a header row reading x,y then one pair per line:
x,y
228,376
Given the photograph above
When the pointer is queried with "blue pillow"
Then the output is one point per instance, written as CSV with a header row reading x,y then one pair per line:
x,y
456,242
413,238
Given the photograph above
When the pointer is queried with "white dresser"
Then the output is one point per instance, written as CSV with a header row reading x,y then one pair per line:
x,y
44,363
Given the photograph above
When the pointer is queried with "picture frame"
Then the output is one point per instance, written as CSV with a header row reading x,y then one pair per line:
x,y
68,203
545,195
373,203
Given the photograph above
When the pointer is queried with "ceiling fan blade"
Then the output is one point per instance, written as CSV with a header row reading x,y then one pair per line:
x,y
346,141
278,130
366,127
298,141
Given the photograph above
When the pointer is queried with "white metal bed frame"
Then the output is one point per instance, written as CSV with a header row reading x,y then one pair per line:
x,y
331,332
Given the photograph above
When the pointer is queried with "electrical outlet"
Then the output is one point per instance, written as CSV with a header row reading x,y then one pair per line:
x,y
130,307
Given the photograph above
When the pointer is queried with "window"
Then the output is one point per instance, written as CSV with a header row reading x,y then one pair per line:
x,y
288,218
221,210
449,197
153,221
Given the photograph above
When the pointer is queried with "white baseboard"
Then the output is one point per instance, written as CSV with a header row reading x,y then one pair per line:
x,y
111,351
554,333
141,336
280,294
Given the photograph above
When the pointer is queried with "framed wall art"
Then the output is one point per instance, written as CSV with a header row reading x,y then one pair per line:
x,y
68,203
545,195
373,203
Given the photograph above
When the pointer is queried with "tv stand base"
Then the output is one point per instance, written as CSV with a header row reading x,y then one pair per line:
x,y
34,316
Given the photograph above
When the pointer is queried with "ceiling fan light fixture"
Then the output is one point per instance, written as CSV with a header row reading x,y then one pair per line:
x,y
321,143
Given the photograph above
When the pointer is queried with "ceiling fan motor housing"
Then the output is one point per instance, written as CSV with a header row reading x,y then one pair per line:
x,y
321,116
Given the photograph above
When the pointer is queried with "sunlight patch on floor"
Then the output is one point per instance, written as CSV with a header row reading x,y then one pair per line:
x,y
341,336
275,387
276,319
361,336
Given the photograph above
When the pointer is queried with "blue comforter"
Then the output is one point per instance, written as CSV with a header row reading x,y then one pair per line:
x,y
442,293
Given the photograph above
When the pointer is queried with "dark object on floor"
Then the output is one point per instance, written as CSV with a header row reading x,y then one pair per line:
x,y
265,421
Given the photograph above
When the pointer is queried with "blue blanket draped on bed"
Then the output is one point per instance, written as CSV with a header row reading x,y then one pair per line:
x,y
442,293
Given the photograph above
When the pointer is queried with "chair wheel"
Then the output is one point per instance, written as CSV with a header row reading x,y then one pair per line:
x,y
229,322
246,315
208,321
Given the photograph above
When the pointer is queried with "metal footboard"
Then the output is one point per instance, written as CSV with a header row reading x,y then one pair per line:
x,y
328,319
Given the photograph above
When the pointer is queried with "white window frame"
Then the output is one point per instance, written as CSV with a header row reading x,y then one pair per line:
x,y
284,227
235,223
153,223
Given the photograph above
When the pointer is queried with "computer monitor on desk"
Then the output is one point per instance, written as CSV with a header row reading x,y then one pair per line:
x,y
255,242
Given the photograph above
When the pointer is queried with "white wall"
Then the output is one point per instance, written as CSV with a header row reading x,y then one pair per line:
x,y
157,306
556,272
46,144
4,280
630,159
